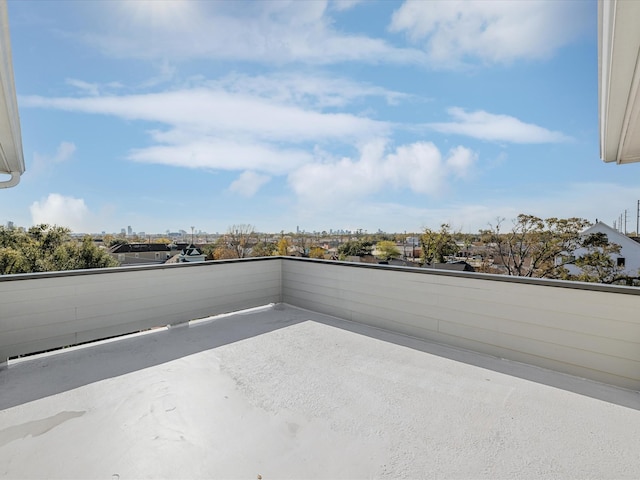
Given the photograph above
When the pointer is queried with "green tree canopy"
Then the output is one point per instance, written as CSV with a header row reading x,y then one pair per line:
x,y
46,248
317,252
387,249
436,246
355,248
264,249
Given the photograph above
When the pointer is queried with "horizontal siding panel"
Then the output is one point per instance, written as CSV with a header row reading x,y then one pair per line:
x,y
364,310
560,355
132,305
610,328
53,311
518,356
627,348
382,300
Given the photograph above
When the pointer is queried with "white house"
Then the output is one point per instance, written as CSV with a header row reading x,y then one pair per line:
x,y
629,256
191,254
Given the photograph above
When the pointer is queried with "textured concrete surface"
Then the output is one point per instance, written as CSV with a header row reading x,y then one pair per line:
x,y
286,393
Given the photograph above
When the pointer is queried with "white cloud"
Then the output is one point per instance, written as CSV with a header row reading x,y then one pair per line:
x,y
209,111
242,129
496,128
166,73
214,154
316,91
418,167
460,161
455,31
85,87
345,4
264,32
60,210
63,153
248,183
238,125
92,88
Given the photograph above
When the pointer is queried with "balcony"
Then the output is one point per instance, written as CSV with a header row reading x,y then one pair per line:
x,y
302,368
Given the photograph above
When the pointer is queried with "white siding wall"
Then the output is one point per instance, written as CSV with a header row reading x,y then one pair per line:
x,y
39,312
588,333
585,330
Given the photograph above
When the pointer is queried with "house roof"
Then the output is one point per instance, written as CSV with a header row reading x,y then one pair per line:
x,y
613,235
191,251
453,266
139,247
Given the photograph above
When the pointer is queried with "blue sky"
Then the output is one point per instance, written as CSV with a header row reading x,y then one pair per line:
x,y
340,114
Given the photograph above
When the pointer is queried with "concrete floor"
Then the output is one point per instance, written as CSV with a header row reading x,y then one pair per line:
x,y
286,393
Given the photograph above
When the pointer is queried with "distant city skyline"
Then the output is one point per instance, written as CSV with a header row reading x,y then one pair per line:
x,y
330,232
320,115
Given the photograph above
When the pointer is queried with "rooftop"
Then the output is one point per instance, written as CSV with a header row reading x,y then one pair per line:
x,y
283,392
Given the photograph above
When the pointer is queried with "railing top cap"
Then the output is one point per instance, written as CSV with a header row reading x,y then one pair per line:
x,y
413,270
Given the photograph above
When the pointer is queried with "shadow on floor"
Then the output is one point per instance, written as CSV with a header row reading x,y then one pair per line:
x,y
50,374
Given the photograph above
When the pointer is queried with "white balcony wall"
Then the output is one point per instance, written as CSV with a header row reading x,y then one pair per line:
x,y
43,311
592,331
585,330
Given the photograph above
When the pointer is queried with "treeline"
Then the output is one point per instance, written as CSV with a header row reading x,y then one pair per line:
x,y
530,246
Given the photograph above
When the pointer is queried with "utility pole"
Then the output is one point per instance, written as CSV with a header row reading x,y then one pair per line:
x,y
404,245
638,220
625,221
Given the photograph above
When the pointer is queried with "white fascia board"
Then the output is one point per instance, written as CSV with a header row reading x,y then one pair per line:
x,y
11,156
619,80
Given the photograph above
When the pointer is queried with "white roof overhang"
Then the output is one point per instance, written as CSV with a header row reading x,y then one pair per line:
x,y
11,158
619,80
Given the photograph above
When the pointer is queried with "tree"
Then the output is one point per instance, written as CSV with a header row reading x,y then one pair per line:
x,y
264,249
283,247
317,252
45,248
115,241
88,255
535,247
12,261
387,250
240,238
219,250
355,248
437,246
